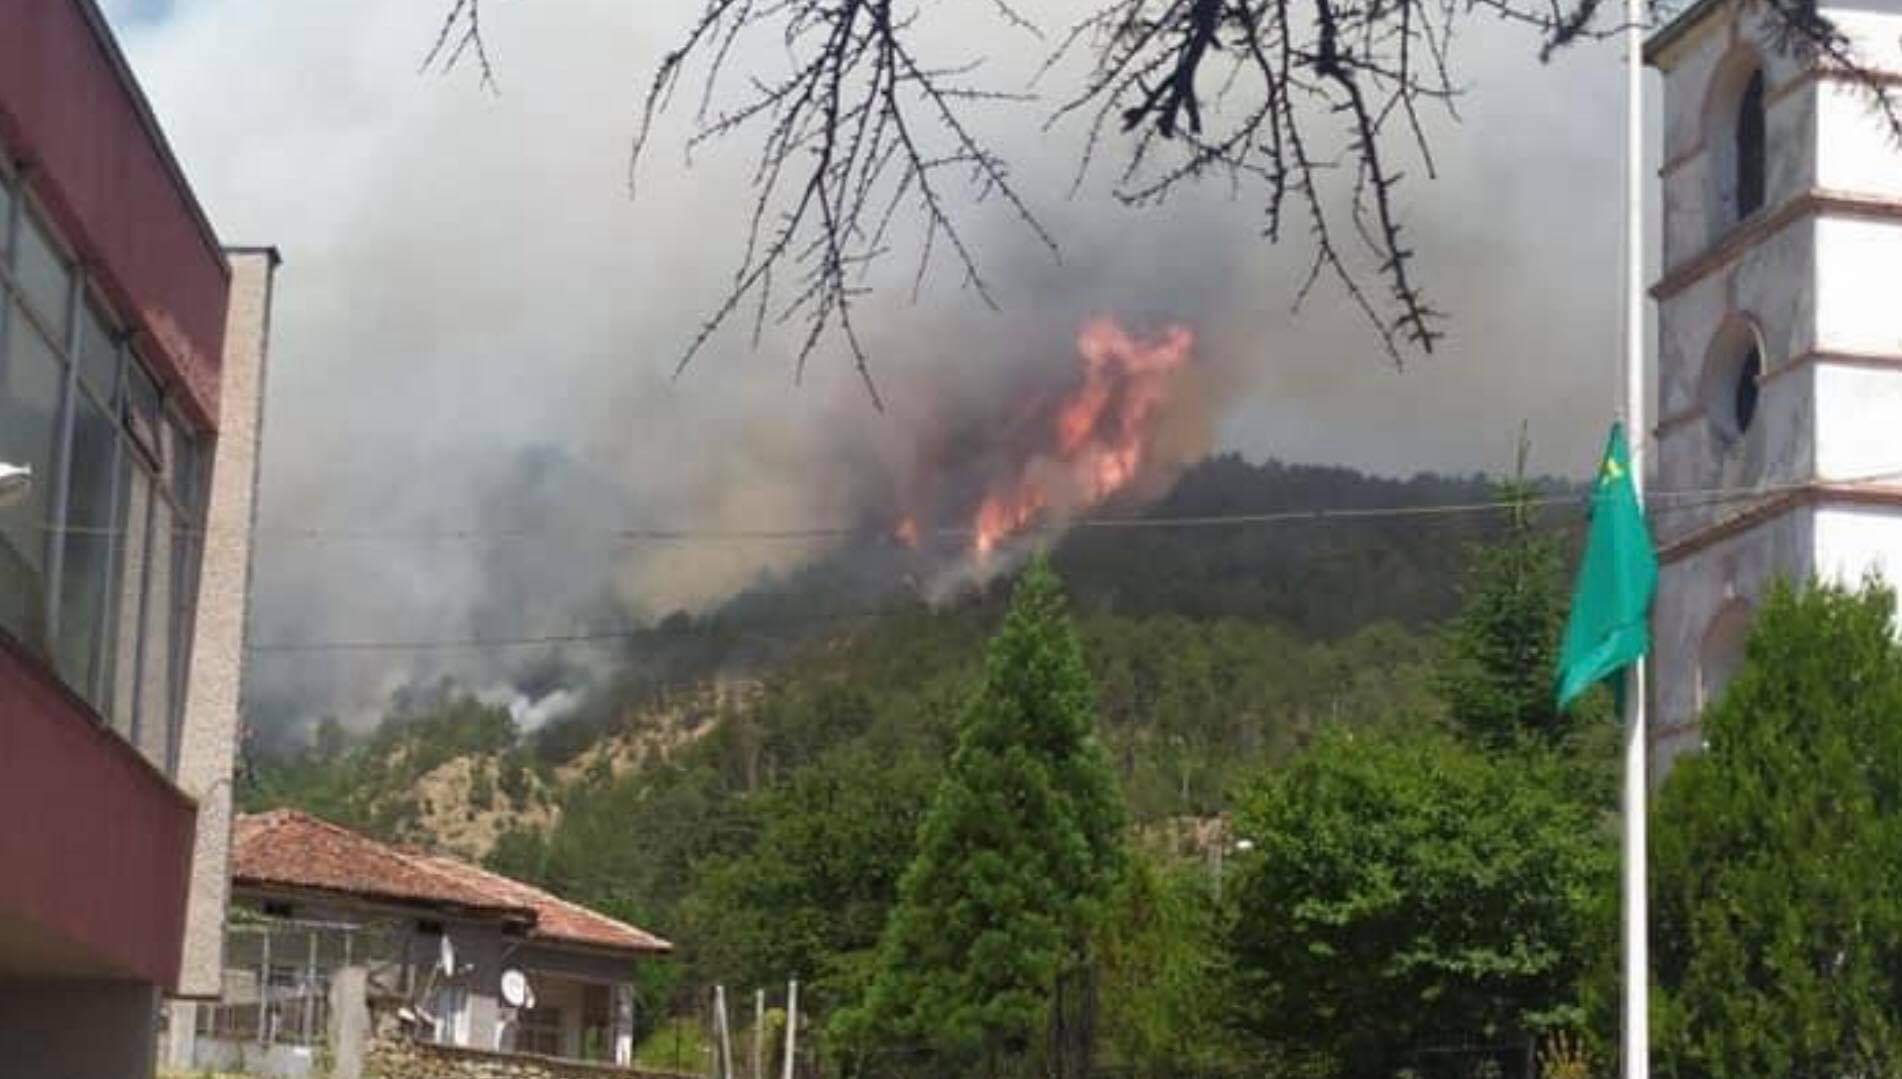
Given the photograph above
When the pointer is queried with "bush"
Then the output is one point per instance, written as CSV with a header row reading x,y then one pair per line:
x,y
1777,930
1407,892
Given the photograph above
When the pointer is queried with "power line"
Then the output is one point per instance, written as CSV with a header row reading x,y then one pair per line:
x,y
474,643
749,629
1681,499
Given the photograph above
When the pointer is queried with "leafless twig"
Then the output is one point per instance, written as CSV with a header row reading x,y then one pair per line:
x,y
460,35
861,132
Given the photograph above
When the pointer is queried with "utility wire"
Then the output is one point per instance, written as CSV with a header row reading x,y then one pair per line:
x,y
1681,500
1676,500
483,643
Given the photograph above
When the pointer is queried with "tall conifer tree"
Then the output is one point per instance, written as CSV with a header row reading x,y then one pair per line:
x,y
1016,859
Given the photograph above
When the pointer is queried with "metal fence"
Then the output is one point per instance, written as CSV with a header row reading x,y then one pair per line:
x,y
276,986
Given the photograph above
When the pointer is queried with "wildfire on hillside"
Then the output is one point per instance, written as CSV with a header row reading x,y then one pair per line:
x,y
1070,450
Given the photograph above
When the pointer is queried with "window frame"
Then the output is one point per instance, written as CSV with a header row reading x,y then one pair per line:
x,y
534,1027
1738,338
146,413
10,190
1750,161
105,630
1719,129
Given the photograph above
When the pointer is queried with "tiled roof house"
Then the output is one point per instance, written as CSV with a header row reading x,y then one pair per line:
x,y
448,949
285,850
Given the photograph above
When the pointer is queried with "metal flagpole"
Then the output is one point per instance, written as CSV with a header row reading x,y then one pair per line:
x,y
1637,1033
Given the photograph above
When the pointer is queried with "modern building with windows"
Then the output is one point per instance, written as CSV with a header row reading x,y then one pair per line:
x,y
132,346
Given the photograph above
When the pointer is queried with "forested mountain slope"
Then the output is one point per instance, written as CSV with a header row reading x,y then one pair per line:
x,y
757,802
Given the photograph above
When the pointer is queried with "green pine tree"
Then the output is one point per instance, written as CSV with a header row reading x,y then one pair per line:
x,y
1777,925
1502,646
1017,858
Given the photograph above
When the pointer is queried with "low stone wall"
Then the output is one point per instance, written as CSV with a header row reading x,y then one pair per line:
x,y
391,1058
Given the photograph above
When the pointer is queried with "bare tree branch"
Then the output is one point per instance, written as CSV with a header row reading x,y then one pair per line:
x,y
461,33
861,132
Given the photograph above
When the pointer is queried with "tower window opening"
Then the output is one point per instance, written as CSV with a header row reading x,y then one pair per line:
x,y
1730,388
1751,165
1744,395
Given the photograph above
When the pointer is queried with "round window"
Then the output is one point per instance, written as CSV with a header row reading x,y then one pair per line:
x,y
1730,388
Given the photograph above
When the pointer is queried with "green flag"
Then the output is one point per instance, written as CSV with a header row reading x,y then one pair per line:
x,y
1609,627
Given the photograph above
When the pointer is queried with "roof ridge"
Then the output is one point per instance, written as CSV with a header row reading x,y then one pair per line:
x,y
557,900
422,860
299,849
283,815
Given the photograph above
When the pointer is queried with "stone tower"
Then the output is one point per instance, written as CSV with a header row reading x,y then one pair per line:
x,y
1780,334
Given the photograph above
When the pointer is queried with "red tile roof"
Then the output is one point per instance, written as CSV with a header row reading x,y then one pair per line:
x,y
555,917
285,848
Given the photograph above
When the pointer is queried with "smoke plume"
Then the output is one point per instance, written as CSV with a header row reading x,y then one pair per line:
x,y
474,431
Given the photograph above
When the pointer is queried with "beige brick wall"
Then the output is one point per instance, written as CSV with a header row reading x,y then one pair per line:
x,y
208,744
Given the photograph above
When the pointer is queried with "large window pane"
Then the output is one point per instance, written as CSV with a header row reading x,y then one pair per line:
x,y
142,407
31,379
43,274
85,589
185,467
98,353
187,543
135,505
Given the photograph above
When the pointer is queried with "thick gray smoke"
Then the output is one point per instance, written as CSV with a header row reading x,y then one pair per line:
x,y
471,367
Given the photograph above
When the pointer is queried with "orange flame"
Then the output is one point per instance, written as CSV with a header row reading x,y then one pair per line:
x,y
906,531
1103,429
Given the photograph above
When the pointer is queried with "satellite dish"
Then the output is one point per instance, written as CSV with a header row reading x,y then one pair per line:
x,y
447,959
515,991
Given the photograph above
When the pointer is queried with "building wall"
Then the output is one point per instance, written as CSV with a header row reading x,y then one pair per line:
x,y
209,741
97,844
1692,590
1857,156
77,1030
1853,541
102,167
1814,486
482,952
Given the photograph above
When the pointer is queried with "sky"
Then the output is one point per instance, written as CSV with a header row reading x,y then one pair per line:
x,y
476,323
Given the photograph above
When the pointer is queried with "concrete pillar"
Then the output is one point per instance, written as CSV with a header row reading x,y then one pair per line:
x,y
485,1018
623,1024
349,1032
181,1034
78,1029
208,742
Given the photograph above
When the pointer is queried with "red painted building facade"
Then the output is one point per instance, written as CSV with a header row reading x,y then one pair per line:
x,y
116,301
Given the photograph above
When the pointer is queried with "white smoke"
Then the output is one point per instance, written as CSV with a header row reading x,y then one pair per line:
x,y
476,328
